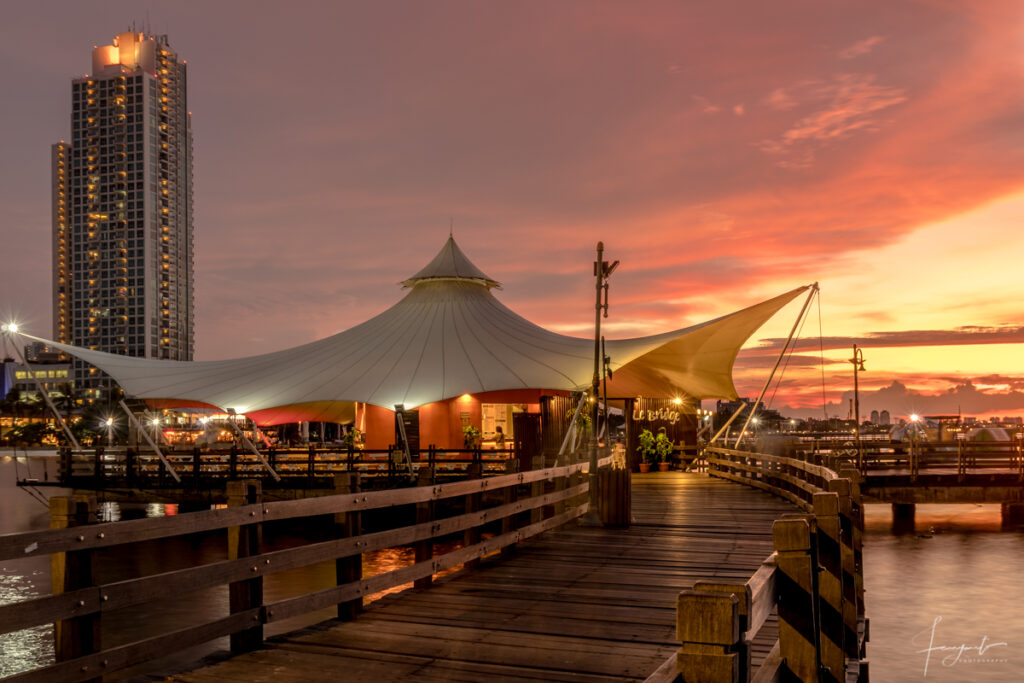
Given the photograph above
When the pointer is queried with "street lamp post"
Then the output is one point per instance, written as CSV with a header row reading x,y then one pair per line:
x,y
602,270
110,431
858,367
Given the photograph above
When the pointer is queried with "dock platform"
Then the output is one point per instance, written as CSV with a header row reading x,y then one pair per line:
x,y
576,604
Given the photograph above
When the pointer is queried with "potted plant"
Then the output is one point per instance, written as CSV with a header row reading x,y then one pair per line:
x,y
470,435
663,450
352,439
646,449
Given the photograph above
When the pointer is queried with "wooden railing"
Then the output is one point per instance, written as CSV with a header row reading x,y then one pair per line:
x,y
309,467
513,506
814,580
965,457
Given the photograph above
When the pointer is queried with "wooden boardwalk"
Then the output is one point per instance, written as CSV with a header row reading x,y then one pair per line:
x,y
576,604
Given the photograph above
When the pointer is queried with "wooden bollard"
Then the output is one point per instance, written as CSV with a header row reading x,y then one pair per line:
x,y
830,583
245,541
708,627
71,571
796,585
742,593
842,488
348,524
471,536
424,549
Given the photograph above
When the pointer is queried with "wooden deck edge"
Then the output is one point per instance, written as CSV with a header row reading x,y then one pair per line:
x,y
666,673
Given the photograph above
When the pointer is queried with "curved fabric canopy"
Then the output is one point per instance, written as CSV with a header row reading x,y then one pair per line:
x,y
447,337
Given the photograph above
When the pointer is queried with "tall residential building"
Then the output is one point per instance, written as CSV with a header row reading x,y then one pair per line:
x,y
122,208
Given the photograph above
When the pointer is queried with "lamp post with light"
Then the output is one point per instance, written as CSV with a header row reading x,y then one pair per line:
x,y
602,271
109,422
858,366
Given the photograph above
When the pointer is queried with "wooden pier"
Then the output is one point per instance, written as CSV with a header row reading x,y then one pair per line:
x,y
579,603
674,574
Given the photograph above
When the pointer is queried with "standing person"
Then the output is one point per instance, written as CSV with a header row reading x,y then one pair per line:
x,y
499,438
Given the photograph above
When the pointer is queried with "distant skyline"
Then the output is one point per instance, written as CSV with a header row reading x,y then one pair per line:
x,y
723,152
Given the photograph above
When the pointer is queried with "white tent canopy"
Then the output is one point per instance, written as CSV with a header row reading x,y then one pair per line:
x,y
447,337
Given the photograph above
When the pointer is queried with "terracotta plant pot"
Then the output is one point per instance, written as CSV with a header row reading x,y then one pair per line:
x,y
645,467
663,466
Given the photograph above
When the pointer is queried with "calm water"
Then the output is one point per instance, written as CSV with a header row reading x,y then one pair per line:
x,y
952,583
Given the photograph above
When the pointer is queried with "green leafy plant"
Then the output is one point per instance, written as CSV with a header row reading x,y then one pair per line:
x,y
469,436
353,438
663,446
646,446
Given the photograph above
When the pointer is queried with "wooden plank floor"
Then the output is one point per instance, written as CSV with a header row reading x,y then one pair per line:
x,y
576,604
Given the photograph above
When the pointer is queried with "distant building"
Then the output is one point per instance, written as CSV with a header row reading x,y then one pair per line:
x,y
884,419
122,209
874,417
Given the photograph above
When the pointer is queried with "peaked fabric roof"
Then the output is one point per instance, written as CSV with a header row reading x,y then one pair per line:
x,y
448,336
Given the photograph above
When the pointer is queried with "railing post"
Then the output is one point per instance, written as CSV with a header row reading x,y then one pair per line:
x,y
348,524
856,543
97,464
510,495
537,489
129,466
197,466
471,536
797,587
311,463
708,626
351,457
245,541
66,471
424,513
233,462
71,571
832,585
743,596
842,488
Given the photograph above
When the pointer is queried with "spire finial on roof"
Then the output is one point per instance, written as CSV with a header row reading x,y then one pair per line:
x,y
451,264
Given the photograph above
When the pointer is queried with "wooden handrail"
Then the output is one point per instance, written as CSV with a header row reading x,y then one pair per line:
x,y
562,502
822,565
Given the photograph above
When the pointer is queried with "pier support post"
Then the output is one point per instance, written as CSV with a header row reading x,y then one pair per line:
x,y
471,536
348,524
424,513
708,626
245,541
537,489
846,521
903,514
1013,513
797,586
71,571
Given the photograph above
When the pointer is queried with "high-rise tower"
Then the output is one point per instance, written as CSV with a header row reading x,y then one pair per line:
x,y
122,208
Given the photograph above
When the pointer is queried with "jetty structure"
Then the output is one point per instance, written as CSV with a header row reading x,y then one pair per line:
x,y
447,356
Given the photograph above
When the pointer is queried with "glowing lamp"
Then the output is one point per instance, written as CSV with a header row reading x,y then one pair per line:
x,y
677,400
915,417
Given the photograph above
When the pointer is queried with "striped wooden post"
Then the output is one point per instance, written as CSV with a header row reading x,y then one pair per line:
x,y
830,584
842,488
708,626
796,584
857,513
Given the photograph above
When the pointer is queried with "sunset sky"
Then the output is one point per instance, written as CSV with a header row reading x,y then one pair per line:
x,y
724,152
